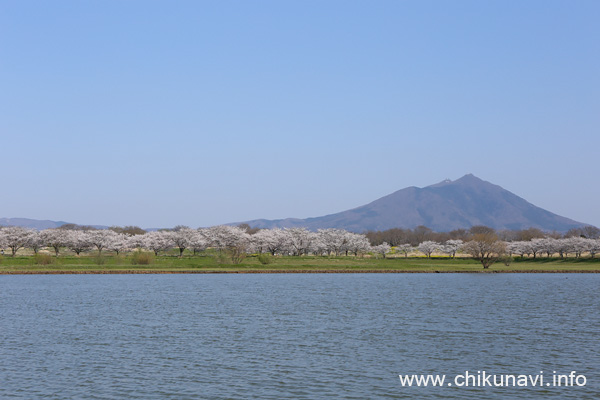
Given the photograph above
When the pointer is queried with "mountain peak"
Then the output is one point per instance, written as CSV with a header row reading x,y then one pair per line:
x,y
469,178
466,179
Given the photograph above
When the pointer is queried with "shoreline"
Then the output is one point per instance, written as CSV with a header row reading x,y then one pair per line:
x,y
284,271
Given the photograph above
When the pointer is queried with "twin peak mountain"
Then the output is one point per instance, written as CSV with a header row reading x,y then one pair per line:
x,y
445,206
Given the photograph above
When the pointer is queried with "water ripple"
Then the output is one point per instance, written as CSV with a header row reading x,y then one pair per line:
x,y
293,336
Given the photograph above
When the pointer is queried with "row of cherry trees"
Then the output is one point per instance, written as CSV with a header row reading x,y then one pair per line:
x,y
549,247
292,241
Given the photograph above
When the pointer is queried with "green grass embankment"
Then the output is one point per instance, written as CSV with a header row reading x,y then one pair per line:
x,y
92,264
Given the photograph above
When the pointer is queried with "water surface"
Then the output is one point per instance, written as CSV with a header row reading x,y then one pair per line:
x,y
295,336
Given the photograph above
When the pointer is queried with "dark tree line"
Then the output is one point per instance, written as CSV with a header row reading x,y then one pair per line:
x,y
420,234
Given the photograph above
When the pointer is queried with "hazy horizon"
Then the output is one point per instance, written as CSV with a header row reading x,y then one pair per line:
x,y
202,113
253,223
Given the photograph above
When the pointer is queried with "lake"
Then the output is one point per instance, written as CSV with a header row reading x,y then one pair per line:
x,y
295,336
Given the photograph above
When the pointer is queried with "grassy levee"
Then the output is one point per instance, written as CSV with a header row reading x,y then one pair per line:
x,y
109,263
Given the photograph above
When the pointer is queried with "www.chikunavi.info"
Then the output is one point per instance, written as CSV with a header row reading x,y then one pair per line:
x,y
484,379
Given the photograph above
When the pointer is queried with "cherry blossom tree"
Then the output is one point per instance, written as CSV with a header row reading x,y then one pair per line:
x,y
198,241
334,240
35,242
103,238
451,247
55,238
428,247
15,237
564,247
182,238
119,242
548,245
299,240
78,241
157,241
579,245
594,247
232,240
358,244
382,249
224,236
270,240
319,246
404,249
2,240
518,248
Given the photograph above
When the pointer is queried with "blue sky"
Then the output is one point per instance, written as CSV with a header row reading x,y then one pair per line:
x,y
157,113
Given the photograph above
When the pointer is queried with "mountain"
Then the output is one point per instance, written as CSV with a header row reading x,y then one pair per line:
x,y
31,223
442,207
37,224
